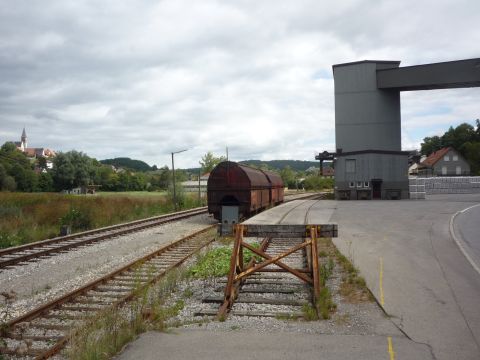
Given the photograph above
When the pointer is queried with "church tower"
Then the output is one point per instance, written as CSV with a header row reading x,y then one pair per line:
x,y
24,139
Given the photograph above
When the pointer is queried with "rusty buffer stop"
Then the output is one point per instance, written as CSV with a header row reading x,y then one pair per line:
x,y
239,272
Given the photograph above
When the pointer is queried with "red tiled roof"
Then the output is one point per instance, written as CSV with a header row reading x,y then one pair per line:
x,y
30,152
434,157
328,171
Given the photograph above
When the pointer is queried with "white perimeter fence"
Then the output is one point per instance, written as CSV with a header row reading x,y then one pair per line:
x,y
419,187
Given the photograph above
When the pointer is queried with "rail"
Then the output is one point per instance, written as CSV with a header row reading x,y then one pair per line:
x,y
162,260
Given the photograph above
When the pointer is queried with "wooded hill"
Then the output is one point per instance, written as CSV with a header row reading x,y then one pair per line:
x,y
277,165
296,165
127,163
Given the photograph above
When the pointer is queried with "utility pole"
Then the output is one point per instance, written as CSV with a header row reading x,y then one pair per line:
x,y
173,179
199,192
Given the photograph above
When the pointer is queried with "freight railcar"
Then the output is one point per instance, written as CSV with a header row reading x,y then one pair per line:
x,y
241,191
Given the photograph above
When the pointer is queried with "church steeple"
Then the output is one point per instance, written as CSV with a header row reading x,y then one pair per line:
x,y
24,138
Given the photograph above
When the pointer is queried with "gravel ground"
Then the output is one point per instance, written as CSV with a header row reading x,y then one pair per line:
x,y
350,318
38,282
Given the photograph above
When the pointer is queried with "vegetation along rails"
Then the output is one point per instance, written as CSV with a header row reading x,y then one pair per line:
x,y
285,290
23,253
44,331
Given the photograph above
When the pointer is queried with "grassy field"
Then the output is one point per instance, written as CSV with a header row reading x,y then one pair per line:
x,y
139,194
28,217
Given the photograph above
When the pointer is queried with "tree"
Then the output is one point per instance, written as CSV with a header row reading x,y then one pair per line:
x,y
72,169
17,171
45,182
456,137
288,177
127,163
9,184
209,161
103,174
430,145
9,156
42,163
3,174
63,172
161,179
315,182
472,154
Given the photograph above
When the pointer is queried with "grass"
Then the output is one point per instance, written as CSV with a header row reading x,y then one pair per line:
x,y
216,262
287,316
29,217
106,334
309,312
138,194
326,270
353,287
325,304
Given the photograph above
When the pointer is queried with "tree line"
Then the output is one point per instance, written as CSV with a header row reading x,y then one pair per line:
x,y
73,169
464,138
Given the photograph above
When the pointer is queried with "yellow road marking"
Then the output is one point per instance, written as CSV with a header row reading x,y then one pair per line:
x,y
390,349
382,299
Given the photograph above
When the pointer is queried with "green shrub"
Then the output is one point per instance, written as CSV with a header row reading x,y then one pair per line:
x,y
315,182
216,262
325,303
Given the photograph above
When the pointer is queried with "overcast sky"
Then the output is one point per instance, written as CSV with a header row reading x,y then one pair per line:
x,y
142,78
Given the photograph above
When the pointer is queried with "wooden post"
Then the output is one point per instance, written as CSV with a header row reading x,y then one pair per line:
x,y
316,279
233,261
240,258
230,289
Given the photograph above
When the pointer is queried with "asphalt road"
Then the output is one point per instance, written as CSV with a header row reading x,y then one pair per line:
x,y
412,265
237,345
467,231
416,270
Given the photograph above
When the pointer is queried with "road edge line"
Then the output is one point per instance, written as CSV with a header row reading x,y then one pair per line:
x,y
458,241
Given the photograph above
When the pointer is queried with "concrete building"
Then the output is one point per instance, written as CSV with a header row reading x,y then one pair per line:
x,y
370,163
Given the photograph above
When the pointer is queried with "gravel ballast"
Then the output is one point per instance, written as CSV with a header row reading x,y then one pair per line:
x,y
40,281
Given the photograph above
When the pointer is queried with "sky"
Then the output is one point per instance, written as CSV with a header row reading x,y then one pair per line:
x,y
144,78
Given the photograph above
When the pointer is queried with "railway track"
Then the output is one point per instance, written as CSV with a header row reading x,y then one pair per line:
x,y
17,255
46,248
44,331
271,293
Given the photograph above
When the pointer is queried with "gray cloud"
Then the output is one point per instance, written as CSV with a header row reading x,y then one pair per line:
x,y
144,78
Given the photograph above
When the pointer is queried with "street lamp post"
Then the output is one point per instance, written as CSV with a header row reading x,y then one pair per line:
x,y
173,178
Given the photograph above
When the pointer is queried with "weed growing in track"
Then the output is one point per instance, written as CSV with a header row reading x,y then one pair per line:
x,y
106,334
216,262
325,304
309,312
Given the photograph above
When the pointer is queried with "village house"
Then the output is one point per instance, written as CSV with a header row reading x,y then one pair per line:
x,y
444,162
34,153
